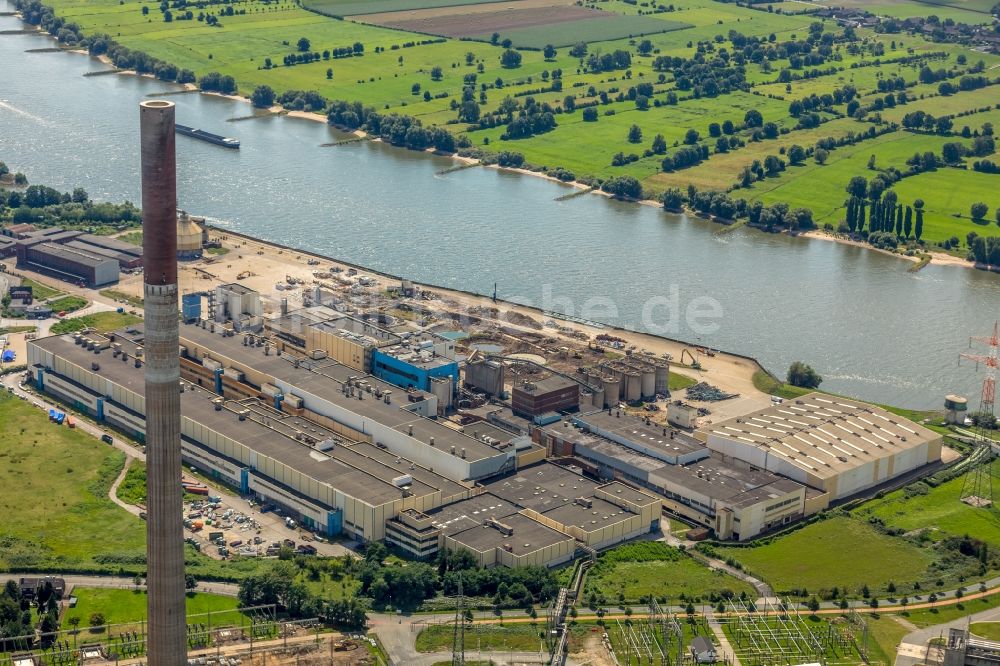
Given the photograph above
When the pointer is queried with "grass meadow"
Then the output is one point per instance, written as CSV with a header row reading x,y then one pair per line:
x,y
129,606
394,75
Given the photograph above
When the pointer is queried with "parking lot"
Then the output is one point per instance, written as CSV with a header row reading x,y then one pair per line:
x,y
223,526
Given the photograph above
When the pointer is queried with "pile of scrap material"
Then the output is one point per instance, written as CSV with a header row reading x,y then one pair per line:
x,y
708,393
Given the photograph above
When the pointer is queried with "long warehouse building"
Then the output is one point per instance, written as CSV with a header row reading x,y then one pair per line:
x,y
840,446
333,484
358,406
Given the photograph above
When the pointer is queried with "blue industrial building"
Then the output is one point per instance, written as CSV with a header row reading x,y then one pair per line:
x,y
412,369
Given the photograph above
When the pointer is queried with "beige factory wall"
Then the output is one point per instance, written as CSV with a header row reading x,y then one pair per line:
x,y
616,532
340,349
689,513
816,504
531,457
751,521
934,450
484,558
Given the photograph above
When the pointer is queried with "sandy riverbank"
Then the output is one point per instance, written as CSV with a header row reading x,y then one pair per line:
x,y
937,258
269,264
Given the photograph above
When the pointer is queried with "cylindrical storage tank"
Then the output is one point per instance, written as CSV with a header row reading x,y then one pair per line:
x,y
597,398
188,238
662,378
648,381
442,389
612,391
633,386
191,307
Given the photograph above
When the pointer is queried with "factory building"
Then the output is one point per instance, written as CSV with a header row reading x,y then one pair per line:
x,y
319,330
332,484
540,516
358,406
408,360
18,231
839,446
550,396
643,436
8,248
486,375
127,255
415,362
64,262
237,304
730,498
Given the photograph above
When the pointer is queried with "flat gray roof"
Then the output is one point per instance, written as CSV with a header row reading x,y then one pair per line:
x,y
461,515
528,536
731,483
112,244
82,257
635,429
543,386
599,514
358,469
542,487
325,379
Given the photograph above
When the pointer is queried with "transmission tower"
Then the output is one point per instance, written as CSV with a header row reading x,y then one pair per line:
x,y
458,635
977,488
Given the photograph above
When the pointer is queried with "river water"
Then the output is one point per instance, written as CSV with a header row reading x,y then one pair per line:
x,y
872,329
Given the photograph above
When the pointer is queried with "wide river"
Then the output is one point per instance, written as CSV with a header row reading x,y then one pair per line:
x,y
872,329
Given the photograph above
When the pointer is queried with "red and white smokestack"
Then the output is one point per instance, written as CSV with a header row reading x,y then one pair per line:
x,y
167,639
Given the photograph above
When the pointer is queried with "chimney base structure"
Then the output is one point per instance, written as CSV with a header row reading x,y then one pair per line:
x,y
167,628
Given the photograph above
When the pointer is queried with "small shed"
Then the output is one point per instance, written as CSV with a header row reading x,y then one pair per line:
x,y
702,650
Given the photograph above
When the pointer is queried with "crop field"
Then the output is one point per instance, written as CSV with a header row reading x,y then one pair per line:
x,y
340,8
463,23
397,68
966,11
826,555
600,27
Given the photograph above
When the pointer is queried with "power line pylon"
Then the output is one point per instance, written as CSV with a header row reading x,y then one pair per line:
x,y
977,488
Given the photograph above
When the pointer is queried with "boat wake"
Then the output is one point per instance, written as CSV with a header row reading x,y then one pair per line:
x,y
14,109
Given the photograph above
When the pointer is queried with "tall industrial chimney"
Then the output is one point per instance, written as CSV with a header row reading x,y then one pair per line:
x,y
167,640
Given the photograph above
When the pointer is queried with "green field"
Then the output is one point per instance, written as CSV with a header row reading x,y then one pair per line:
x,y
987,630
358,7
939,513
68,304
132,489
38,290
827,554
394,75
514,637
102,321
599,29
53,493
129,606
633,572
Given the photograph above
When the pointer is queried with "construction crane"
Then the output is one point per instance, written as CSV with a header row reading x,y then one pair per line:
x,y
977,488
